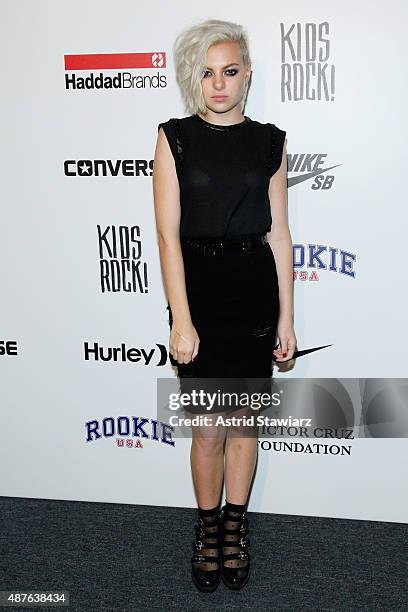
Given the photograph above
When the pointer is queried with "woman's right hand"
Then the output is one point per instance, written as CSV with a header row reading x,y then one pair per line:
x,y
184,342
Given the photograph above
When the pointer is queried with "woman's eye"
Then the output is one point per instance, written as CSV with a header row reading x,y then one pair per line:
x,y
230,72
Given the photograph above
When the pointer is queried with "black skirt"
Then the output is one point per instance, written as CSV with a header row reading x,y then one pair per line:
x,y
234,305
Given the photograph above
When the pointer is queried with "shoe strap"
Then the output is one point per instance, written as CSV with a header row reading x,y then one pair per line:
x,y
243,543
242,554
202,537
206,534
200,545
206,524
198,558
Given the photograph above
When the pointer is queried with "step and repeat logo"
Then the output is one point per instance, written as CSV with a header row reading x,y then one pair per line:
x,y
306,71
308,166
91,168
8,348
121,263
130,431
130,69
309,260
122,353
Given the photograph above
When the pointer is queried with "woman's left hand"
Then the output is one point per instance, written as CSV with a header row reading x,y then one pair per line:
x,y
287,341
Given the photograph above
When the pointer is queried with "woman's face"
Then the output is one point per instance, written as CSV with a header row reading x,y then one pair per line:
x,y
223,83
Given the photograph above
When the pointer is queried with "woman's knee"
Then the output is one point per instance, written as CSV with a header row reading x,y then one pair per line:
x,y
208,445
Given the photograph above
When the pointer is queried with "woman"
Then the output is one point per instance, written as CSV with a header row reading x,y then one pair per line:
x,y
219,179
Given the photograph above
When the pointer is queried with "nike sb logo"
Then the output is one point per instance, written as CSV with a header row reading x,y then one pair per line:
x,y
310,165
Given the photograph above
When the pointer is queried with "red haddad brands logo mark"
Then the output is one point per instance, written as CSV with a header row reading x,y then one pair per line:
x,y
114,61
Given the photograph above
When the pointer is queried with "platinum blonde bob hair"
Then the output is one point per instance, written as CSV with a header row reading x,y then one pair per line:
x,y
190,55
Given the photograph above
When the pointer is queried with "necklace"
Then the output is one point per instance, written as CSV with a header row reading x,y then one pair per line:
x,y
222,128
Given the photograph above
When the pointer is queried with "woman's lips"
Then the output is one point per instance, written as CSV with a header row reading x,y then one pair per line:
x,y
219,98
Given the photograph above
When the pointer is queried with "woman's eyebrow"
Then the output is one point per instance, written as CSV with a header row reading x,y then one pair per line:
x,y
227,66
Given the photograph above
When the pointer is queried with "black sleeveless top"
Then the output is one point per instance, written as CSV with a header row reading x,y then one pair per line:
x,y
223,174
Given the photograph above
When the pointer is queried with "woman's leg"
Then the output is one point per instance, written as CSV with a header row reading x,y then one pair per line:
x,y
240,461
241,452
207,462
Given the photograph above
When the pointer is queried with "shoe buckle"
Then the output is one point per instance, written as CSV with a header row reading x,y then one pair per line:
x,y
243,555
200,545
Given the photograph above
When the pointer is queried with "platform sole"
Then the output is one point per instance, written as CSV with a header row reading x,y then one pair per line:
x,y
205,589
236,587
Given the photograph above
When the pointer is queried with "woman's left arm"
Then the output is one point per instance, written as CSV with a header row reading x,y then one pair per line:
x,y
280,241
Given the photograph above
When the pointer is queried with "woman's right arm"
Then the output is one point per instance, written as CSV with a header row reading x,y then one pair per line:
x,y
184,340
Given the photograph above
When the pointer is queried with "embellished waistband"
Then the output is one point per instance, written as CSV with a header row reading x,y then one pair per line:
x,y
221,246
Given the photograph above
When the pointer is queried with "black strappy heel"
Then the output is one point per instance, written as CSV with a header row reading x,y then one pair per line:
x,y
235,543
205,567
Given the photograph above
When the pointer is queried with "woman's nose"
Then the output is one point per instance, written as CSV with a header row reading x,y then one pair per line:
x,y
218,82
